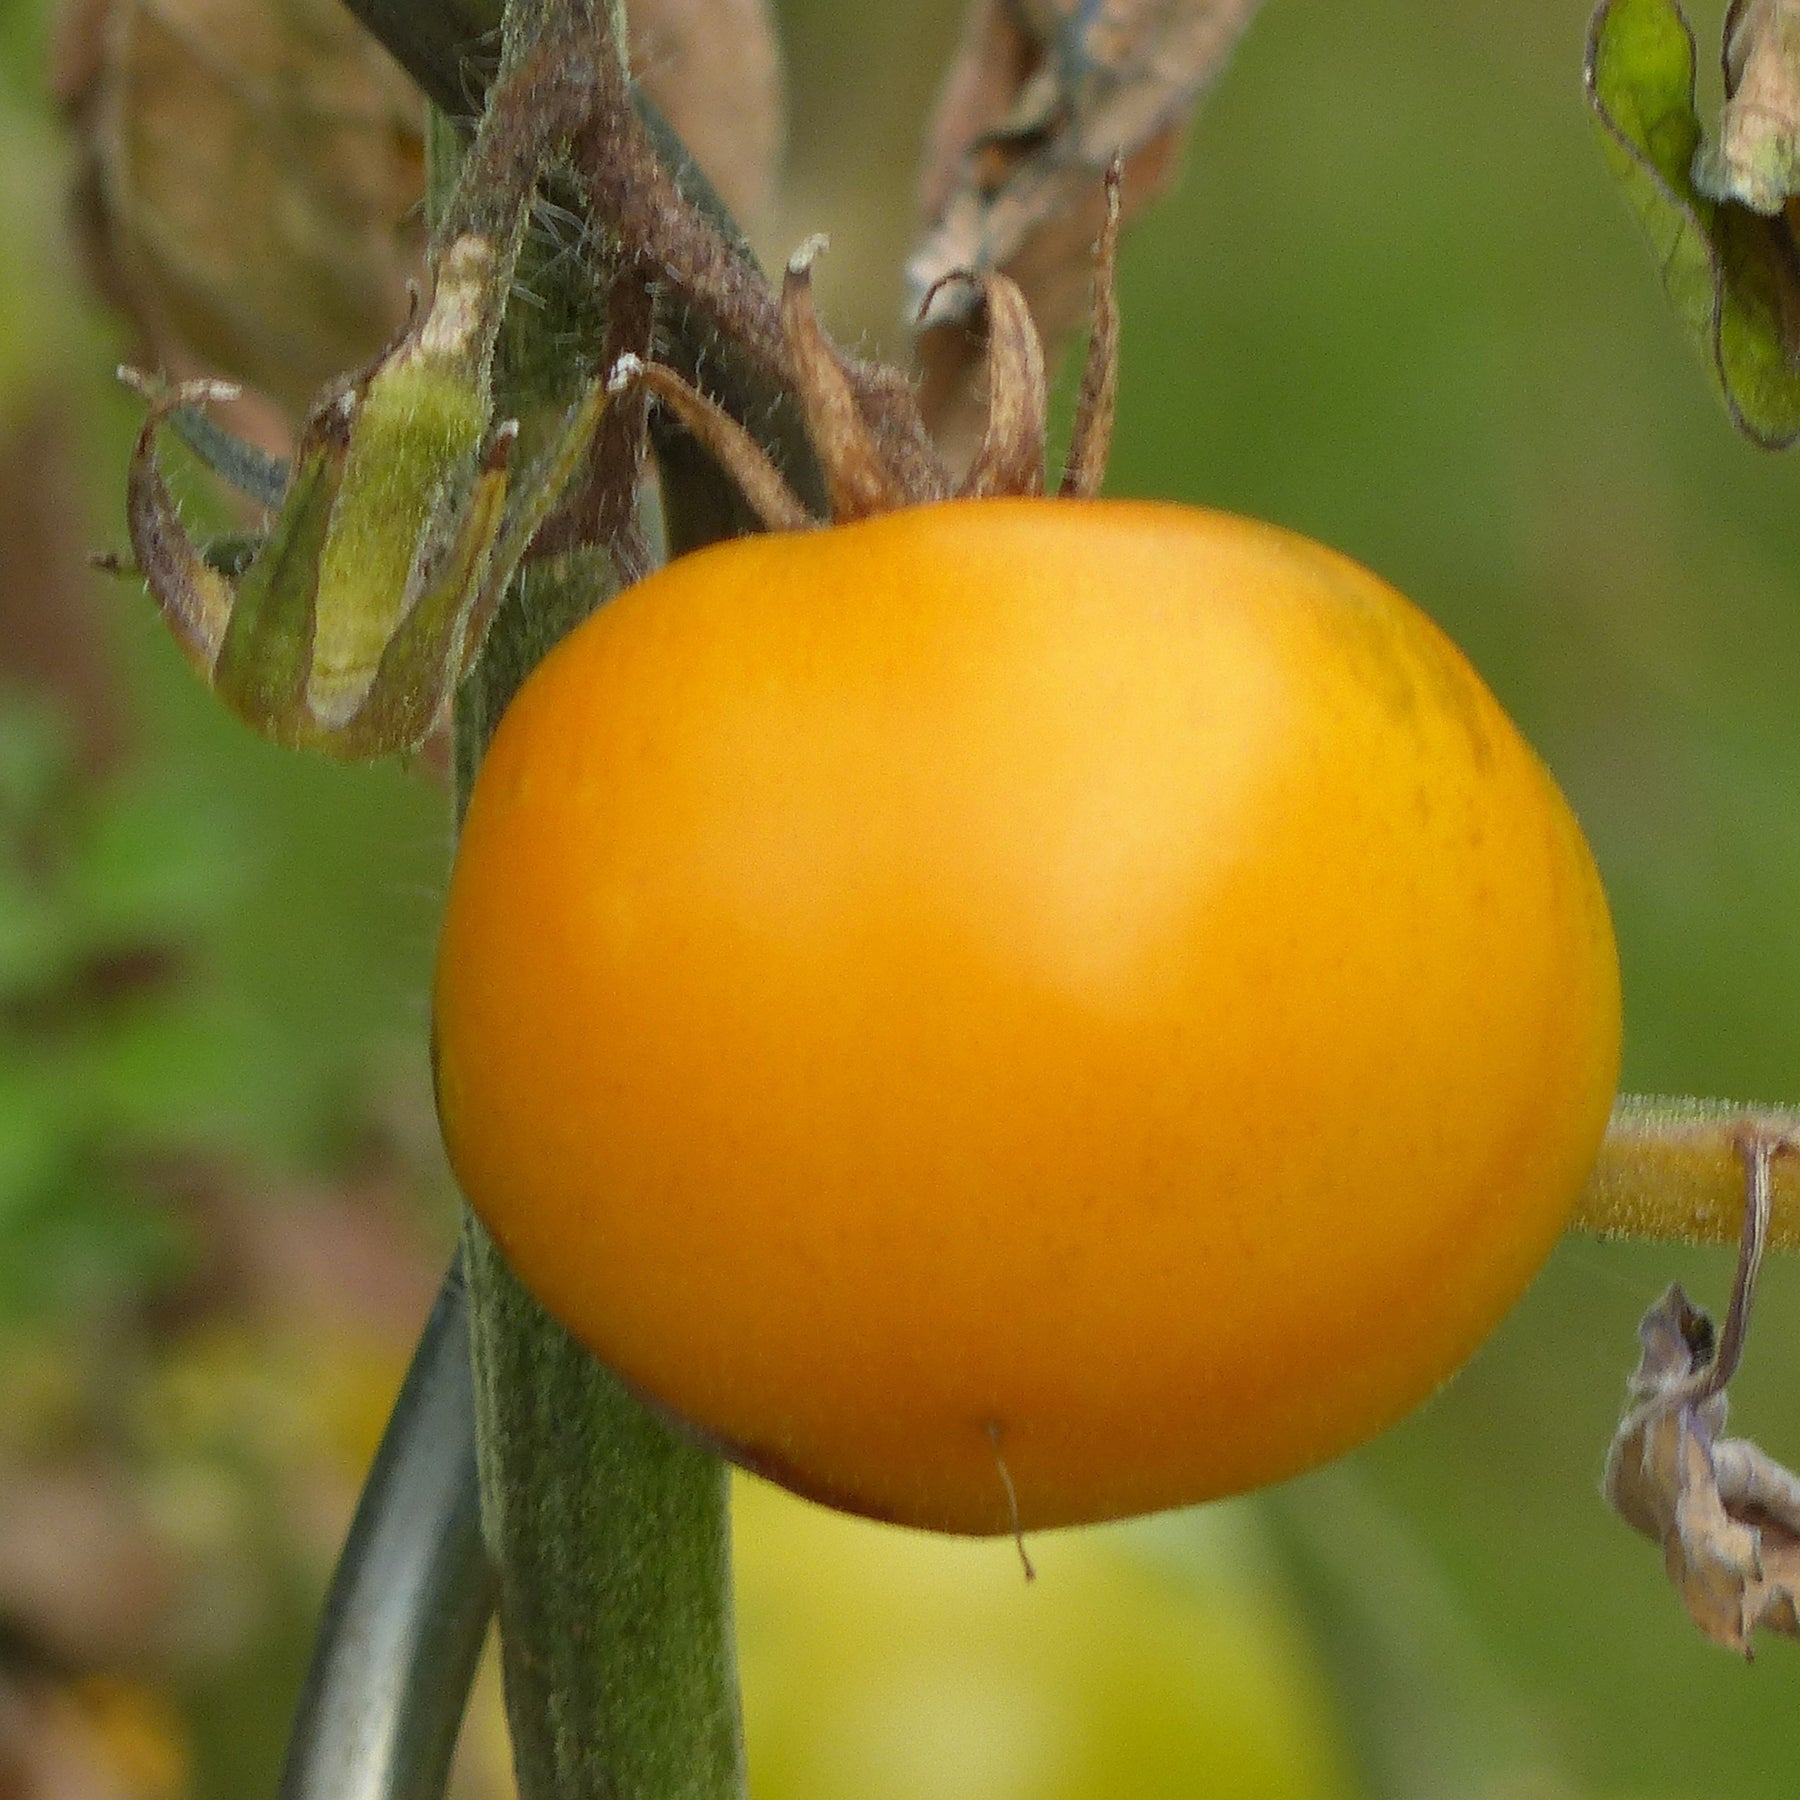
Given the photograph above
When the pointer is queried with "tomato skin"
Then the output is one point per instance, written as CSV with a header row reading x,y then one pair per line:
x,y
1103,987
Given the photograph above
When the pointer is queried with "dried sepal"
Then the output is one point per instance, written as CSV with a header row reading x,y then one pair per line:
x,y
1090,442
858,480
1725,1514
194,598
1010,456
1755,157
864,420
862,473
723,438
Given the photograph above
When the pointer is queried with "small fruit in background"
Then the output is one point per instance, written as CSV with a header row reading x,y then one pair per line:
x,y
890,1665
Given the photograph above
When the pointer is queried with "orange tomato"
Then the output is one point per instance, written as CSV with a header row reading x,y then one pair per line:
x,y
1017,1009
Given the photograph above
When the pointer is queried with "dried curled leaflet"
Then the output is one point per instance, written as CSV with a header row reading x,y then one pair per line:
x,y
1727,1515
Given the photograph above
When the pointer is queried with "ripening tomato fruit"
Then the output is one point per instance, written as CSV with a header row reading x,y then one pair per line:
x,y
1084,1005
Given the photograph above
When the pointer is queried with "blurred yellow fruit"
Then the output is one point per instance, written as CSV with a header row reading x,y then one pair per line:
x,y
892,1665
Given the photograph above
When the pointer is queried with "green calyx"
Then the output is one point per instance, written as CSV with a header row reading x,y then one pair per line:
x,y
349,628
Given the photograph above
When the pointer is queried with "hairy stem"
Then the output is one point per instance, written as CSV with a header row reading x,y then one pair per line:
x,y
1672,1171
610,1536
641,188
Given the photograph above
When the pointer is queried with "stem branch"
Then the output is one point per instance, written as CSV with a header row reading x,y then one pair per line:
x,y
1672,1171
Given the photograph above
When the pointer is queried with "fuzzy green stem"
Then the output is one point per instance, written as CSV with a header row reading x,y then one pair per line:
x,y
1672,1171
611,1536
613,1542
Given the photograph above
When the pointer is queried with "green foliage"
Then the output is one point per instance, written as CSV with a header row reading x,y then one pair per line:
x,y
1726,269
105,1061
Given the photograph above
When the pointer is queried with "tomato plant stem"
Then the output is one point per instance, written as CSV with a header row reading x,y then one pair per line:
x,y
631,177
610,1536
613,1542
1672,1171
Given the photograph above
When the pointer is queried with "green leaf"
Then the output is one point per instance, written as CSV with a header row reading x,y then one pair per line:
x,y
1429,1707
149,868
163,1074
38,942
1758,334
1728,272
37,757
1640,81
77,1227
81,1243
37,1135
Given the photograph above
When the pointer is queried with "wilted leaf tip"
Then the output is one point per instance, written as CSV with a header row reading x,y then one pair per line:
x,y
1043,99
1755,160
1730,270
1725,1513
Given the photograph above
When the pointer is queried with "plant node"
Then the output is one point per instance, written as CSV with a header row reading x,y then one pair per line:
x,y
864,420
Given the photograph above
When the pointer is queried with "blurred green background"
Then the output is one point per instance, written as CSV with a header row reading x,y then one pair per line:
x,y
1394,304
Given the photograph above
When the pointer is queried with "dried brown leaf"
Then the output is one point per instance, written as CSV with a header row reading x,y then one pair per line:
x,y
714,68
1726,1515
1042,98
251,193
251,182
1756,158
992,63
